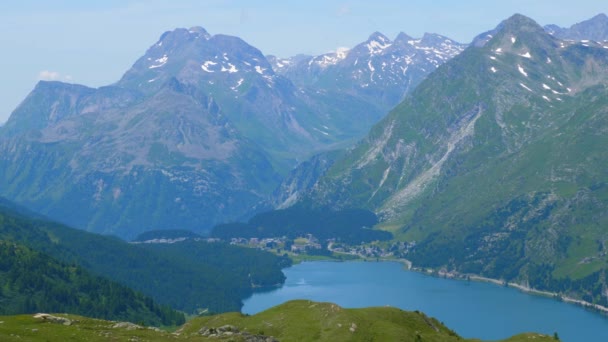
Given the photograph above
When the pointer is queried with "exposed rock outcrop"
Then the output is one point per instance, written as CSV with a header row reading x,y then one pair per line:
x,y
230,331
53,319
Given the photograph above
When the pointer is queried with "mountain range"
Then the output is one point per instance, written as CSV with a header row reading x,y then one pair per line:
x,y
302,178
379,70
199,131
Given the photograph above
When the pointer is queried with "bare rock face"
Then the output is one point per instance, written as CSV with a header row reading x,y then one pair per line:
x,y
232,331
53,319
126,326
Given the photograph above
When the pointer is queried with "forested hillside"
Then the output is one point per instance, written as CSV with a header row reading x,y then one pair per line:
x,y
189,276
34,282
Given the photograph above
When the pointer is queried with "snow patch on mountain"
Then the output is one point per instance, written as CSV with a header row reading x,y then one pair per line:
x,y
376,47
342,52
525,87
231,69
238,84
521,70
320,131
259,69
325,60
161,61
526,55
372,69
377,66
281,63
206,65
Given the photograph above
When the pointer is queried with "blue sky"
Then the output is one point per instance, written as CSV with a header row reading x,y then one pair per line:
x,y
95,42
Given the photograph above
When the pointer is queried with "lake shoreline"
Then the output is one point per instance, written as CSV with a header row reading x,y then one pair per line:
x,y
409,266
603,310
526,289
371,283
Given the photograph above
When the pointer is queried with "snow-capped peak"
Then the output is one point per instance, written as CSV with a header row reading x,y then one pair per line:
x,y
377,42
330,58
342,52
379,37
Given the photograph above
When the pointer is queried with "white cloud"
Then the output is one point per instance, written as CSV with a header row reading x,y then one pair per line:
x,y
343,10
46,75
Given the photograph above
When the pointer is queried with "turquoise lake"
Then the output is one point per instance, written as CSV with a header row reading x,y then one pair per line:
x,y
472,309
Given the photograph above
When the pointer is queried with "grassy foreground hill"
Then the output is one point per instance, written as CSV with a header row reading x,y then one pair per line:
x,y
298,320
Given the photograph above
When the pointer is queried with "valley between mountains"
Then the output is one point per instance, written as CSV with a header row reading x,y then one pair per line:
x,y
482,160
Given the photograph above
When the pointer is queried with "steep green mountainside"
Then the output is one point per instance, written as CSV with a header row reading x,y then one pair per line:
x,y
189,276
496,163
301,179
301,71
34,282
293,321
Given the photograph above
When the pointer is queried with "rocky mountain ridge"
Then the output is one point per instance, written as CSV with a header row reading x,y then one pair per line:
x,y
595,29
378,68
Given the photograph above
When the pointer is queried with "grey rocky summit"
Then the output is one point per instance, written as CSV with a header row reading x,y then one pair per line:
x,y
595,29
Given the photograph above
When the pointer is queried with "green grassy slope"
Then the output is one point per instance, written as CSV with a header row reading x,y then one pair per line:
x,y
293,321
